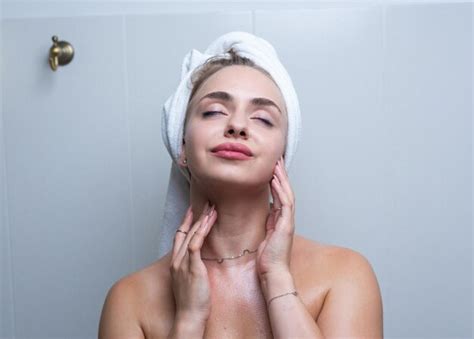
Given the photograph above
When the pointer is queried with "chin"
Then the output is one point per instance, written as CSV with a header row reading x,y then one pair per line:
x,y
237,178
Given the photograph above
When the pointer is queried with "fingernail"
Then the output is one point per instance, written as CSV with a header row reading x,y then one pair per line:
x,y
210,210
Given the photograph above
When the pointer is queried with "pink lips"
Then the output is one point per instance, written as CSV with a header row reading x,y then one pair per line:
x,y
231,150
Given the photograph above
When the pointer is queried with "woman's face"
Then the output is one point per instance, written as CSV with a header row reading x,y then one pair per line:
x,y
259,125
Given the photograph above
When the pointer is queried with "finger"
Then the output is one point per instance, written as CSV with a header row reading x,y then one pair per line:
x,y
270,222
276,201
183,254
286,222
275,195
282,166
284,201
184,246
192,228
211,221
180,236
281,194
275,207
195,245
284,180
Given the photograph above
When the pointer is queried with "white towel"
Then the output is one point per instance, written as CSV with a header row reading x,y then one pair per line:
x,y
262,53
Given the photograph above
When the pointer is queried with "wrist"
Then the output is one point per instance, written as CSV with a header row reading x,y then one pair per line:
x,y
277,283
187,327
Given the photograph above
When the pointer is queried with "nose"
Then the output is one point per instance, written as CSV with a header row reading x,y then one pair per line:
x,y
236,129
231,131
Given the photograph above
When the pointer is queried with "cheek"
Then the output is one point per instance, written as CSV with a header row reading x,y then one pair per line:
x,y
280,142
196,141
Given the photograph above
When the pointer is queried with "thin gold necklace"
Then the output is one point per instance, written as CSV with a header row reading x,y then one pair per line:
x,y
221,260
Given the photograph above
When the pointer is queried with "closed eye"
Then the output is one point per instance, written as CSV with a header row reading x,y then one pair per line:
x,y
210,113
205,114
267,122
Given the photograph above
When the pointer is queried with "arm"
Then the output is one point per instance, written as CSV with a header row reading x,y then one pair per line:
x,y
119,318
288,315
352,308
186,329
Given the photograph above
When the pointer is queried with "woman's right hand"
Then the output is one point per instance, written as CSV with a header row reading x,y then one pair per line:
x,y
190,281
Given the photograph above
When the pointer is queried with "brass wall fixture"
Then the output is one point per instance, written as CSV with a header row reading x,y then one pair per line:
x,y
60,54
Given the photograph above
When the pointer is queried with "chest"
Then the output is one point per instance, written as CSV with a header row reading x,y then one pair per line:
x,y
238,307
232,316
238,311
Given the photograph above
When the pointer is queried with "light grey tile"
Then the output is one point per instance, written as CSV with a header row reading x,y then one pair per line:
x,y
6,292
31,8
384,163
68,166
427,98
156,46
334,58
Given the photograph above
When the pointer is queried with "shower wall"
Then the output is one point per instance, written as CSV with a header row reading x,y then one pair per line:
x,y
384,164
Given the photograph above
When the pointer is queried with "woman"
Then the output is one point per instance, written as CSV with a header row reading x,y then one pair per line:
x,y
236,267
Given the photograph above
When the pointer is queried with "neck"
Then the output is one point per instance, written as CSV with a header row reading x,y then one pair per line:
x,y
240,223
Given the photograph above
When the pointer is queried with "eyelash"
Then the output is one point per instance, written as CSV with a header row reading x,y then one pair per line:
x,y
265,121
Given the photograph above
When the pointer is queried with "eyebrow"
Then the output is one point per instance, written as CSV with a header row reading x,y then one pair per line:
x,y
229,98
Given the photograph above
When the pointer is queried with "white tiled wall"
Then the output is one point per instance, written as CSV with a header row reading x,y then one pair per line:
x,y
68,172
6,293
383,166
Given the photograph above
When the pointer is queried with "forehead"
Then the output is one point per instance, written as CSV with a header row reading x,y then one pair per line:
x,y
243,82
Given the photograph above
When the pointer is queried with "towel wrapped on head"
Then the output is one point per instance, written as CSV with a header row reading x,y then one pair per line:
x,y
247,45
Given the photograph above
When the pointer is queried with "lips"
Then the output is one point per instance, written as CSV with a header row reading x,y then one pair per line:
x,y
234,147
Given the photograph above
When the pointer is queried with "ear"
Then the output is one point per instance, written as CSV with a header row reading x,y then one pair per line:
x,y
181,159
182,155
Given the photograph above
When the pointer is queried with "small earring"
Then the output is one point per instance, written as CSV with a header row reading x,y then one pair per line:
x,y
185,161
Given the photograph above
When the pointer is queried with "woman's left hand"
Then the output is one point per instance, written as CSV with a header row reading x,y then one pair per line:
x,y
274,252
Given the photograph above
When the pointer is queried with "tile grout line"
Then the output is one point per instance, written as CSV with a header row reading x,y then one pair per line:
x,y
129,143
6,217
254,28
383,74
28,9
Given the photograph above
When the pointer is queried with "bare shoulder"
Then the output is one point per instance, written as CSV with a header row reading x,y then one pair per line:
x,y
119,318
124,313
338,261
353,304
